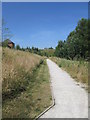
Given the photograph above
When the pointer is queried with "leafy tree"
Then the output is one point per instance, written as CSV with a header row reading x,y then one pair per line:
x,y
51,48
18,47
76,45
5,43
23,49
59,49
82,34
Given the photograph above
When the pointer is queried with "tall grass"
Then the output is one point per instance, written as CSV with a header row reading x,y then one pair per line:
x,y
17,67
77,69
0,65
0,82
26,90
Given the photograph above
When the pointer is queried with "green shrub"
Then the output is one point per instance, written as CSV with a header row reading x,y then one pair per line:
x,y
60,65
41,61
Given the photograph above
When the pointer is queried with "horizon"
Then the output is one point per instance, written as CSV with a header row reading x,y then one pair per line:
x,y
42,25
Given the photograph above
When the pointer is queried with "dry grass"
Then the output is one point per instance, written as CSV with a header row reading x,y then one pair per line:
x,y
26,90
35,99
0,64
77,69
0,82
16,65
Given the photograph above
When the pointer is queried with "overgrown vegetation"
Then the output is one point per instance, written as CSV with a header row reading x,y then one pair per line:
x,y
26,90
77,69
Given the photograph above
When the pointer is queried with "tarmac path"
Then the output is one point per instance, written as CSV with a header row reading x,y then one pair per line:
x,y
71,101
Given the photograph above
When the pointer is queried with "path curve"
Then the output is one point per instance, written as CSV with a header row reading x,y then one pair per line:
x,y
71,101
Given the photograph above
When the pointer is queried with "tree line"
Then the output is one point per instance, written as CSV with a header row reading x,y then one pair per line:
x,y
76,46
43,52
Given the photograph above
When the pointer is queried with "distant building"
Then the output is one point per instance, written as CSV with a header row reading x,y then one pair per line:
x,y
10,44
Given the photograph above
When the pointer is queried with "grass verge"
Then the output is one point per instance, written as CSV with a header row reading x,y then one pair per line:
x,y
77,69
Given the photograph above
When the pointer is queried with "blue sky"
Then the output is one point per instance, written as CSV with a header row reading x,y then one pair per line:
x,y
42,24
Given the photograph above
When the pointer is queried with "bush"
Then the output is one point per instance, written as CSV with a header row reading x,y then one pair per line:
x,y
60,65
41,61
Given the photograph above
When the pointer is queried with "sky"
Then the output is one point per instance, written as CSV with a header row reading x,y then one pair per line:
x,y
42,24
45,0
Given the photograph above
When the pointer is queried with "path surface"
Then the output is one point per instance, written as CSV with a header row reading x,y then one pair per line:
x,y
71,101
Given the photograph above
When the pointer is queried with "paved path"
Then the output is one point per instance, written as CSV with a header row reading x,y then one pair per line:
x,y
71,101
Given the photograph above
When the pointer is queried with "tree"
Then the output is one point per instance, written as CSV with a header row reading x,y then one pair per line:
x,y
51,48
6,33
82,34
59,49
76,45
18,47
23,49
5,43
